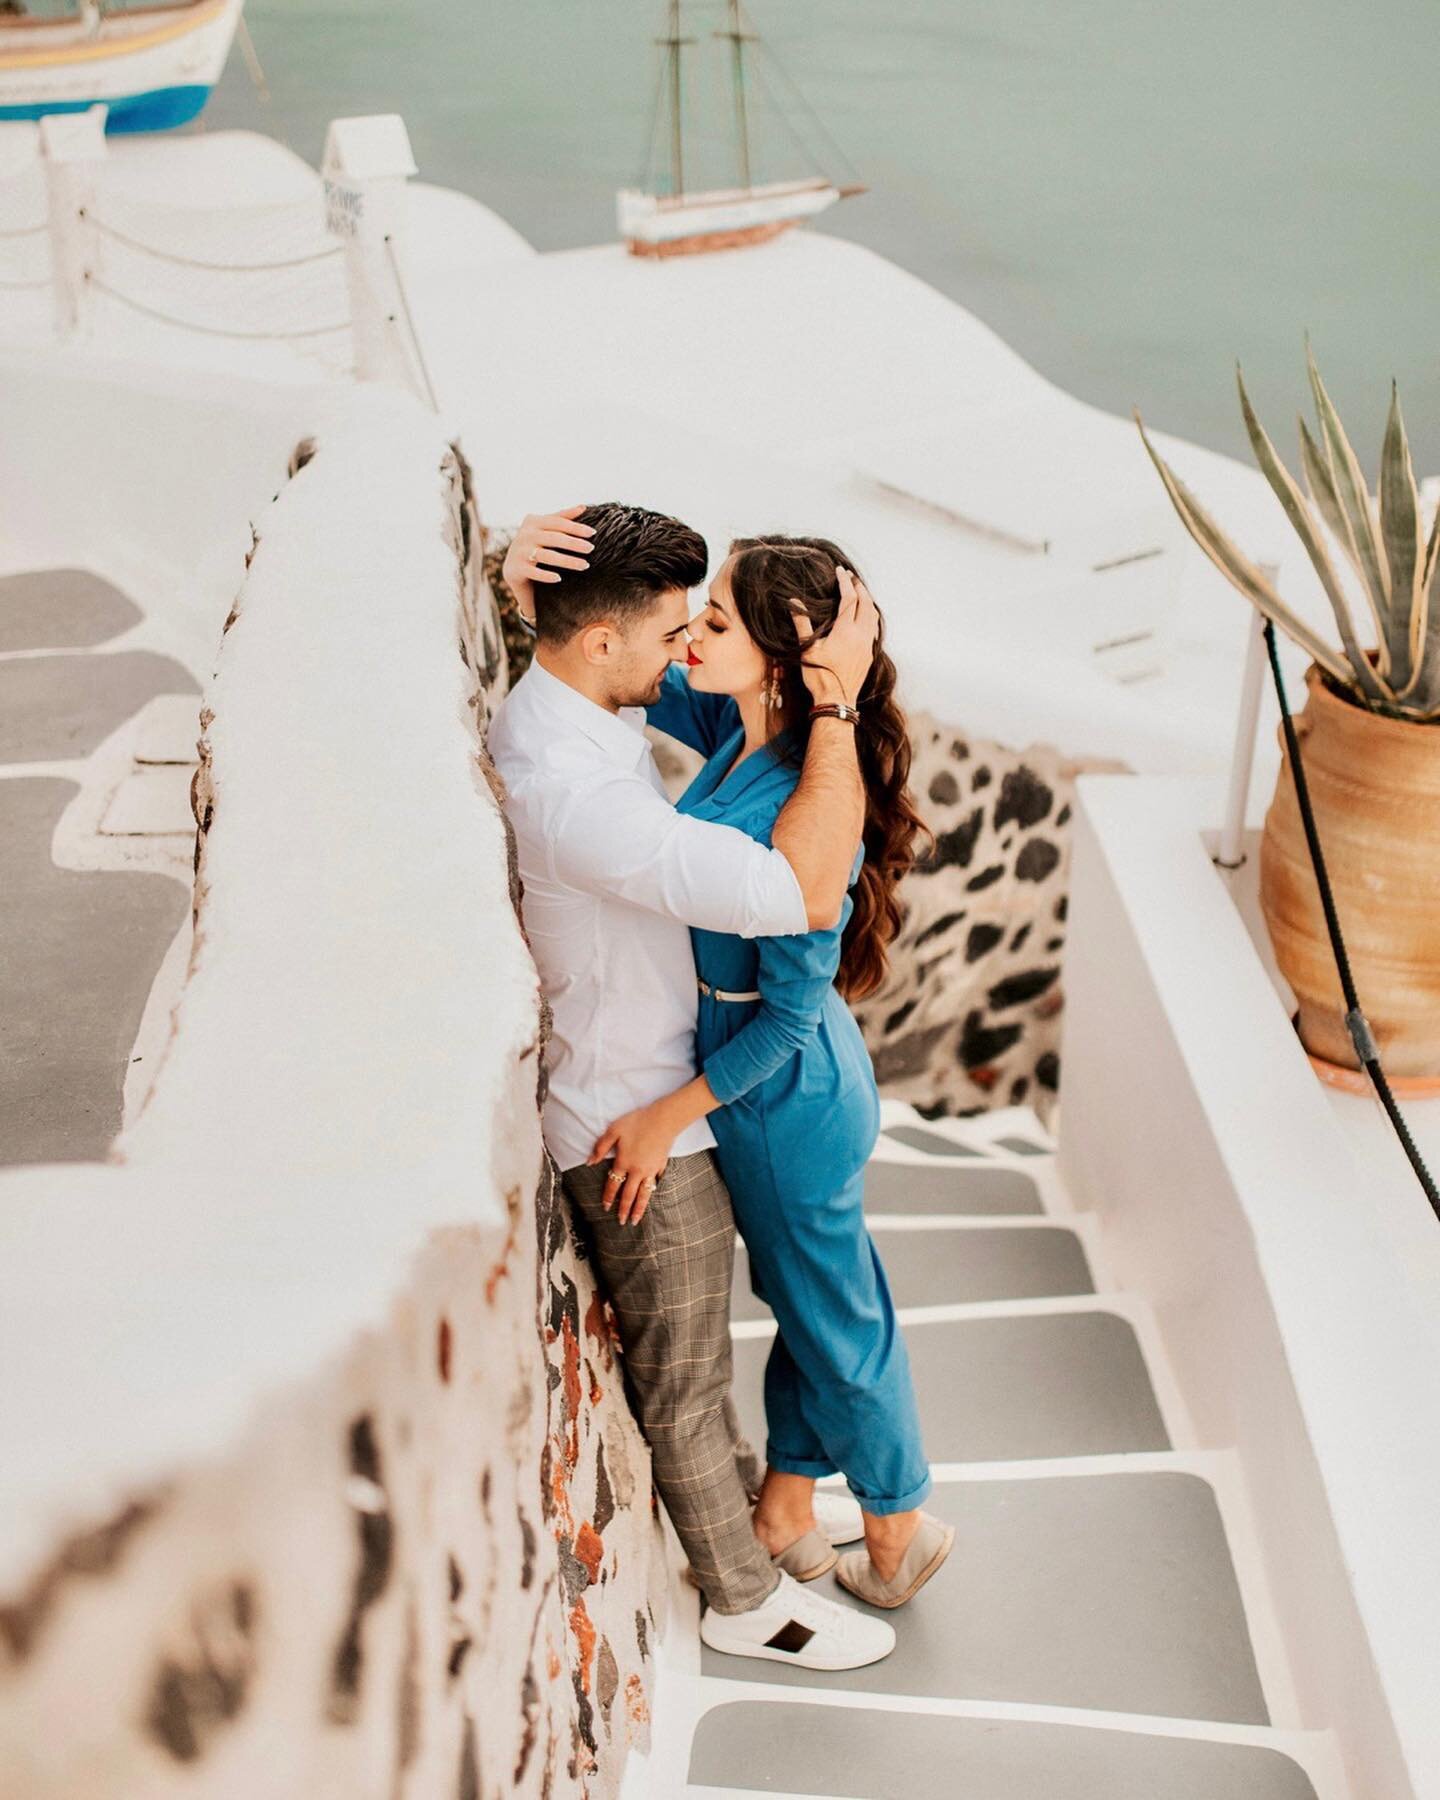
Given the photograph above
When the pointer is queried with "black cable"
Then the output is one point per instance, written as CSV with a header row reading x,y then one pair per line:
x,y
1355,1021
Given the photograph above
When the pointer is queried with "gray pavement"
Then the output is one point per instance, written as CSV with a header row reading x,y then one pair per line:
x,y
79,949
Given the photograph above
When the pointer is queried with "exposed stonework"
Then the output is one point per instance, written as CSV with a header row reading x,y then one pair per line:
x,y
970,1016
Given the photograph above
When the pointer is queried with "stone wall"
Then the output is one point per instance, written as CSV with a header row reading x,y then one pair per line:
x,y
970,1016
321,1479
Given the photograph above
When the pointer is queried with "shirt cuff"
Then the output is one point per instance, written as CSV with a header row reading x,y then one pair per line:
x,y
779,909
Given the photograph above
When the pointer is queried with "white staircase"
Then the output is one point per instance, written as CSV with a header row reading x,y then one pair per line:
x,y
1102,1630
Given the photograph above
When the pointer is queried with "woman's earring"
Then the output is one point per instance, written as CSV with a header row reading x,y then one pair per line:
x,y
771,690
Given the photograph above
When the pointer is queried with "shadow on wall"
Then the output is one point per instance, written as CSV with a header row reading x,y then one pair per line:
x,y
969,1018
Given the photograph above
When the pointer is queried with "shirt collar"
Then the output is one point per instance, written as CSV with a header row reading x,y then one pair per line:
x,y
620,735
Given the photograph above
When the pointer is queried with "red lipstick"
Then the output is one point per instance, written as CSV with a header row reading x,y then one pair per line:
x,y
692,659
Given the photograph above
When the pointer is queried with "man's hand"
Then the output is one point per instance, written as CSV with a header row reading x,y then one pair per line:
x,y
640,1144
840,658
545,543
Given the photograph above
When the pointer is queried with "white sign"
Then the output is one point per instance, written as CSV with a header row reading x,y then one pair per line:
x,y
344,208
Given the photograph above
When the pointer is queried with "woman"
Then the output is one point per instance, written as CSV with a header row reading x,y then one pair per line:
x,y
783,1061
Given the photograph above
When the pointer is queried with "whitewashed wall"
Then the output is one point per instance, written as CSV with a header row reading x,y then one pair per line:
x,y
1300,1326
318,1475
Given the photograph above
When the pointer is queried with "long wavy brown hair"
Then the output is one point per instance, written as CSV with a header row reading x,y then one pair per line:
x,y
768,576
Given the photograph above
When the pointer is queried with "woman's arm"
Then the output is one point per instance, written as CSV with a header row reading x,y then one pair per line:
x,y
640,1144
795,976
702,721
796,973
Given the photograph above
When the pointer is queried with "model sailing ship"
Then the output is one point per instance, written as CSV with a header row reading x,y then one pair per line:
x,y
677,223
153,66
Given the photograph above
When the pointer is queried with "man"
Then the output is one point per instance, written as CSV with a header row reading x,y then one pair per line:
x,y
613,878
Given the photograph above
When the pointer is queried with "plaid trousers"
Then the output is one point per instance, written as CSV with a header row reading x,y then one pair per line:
x,y
669,1282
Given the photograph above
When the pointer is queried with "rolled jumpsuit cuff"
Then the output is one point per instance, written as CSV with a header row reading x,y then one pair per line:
x,y
798,1465
896,1503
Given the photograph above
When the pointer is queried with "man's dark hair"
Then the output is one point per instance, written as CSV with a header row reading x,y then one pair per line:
x,y
635,556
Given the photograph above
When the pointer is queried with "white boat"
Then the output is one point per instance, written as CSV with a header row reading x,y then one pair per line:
x,y
677,223
152,66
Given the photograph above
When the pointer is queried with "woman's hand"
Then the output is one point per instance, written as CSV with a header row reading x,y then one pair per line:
x,y
544,543
640,1144
840,659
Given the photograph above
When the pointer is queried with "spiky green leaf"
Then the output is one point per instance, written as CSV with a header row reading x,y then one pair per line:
x,y
1422,690
1322,486
1238,570
1404,551
1299,515
1361,535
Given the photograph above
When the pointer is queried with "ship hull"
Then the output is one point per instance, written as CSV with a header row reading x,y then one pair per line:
x,y
725,220
152,72
696,243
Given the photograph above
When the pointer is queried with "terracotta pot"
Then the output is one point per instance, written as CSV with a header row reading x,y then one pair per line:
x,y
1375,789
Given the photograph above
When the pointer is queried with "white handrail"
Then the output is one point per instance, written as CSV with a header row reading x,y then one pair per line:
x,y
1230,853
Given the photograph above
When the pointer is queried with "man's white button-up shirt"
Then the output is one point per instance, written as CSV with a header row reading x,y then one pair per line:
x,y
614,877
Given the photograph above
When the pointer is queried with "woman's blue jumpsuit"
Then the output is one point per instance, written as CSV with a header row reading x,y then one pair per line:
x,y
798,1120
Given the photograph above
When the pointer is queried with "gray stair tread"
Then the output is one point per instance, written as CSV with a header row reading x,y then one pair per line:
x,y
1111,1592
936,1187
990,1390
61,609
776,1747
934,1143
57,708
1018,1146
78,955
930,1268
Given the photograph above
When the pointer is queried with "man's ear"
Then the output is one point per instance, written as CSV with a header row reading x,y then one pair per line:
x,y
597,643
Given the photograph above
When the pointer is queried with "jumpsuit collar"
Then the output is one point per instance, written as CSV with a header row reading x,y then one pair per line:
x,y
737,781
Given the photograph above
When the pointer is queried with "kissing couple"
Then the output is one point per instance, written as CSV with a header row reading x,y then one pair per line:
x,y
705,1073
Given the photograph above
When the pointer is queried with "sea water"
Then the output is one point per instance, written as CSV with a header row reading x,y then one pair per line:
x,y
1133,193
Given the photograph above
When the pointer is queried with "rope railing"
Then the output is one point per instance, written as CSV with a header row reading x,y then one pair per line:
x,y
194,262
164,318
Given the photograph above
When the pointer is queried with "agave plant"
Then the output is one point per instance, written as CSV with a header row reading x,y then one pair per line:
x,y
1395,565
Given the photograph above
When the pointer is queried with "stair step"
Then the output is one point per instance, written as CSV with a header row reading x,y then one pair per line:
x,y
929,1268
915,1137
1111,1592
938,1186
775,1747
152,801
61,609
168,730
1005,1388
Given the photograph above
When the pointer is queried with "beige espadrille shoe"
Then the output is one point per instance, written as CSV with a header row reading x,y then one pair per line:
x,y
931,1544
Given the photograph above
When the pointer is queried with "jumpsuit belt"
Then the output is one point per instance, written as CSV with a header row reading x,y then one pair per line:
x,y
714,993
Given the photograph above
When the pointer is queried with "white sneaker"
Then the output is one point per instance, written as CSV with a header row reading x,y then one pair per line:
x,y
839,1516
799,1627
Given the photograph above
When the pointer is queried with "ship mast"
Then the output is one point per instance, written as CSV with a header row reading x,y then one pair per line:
x,y
739,37
673,46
